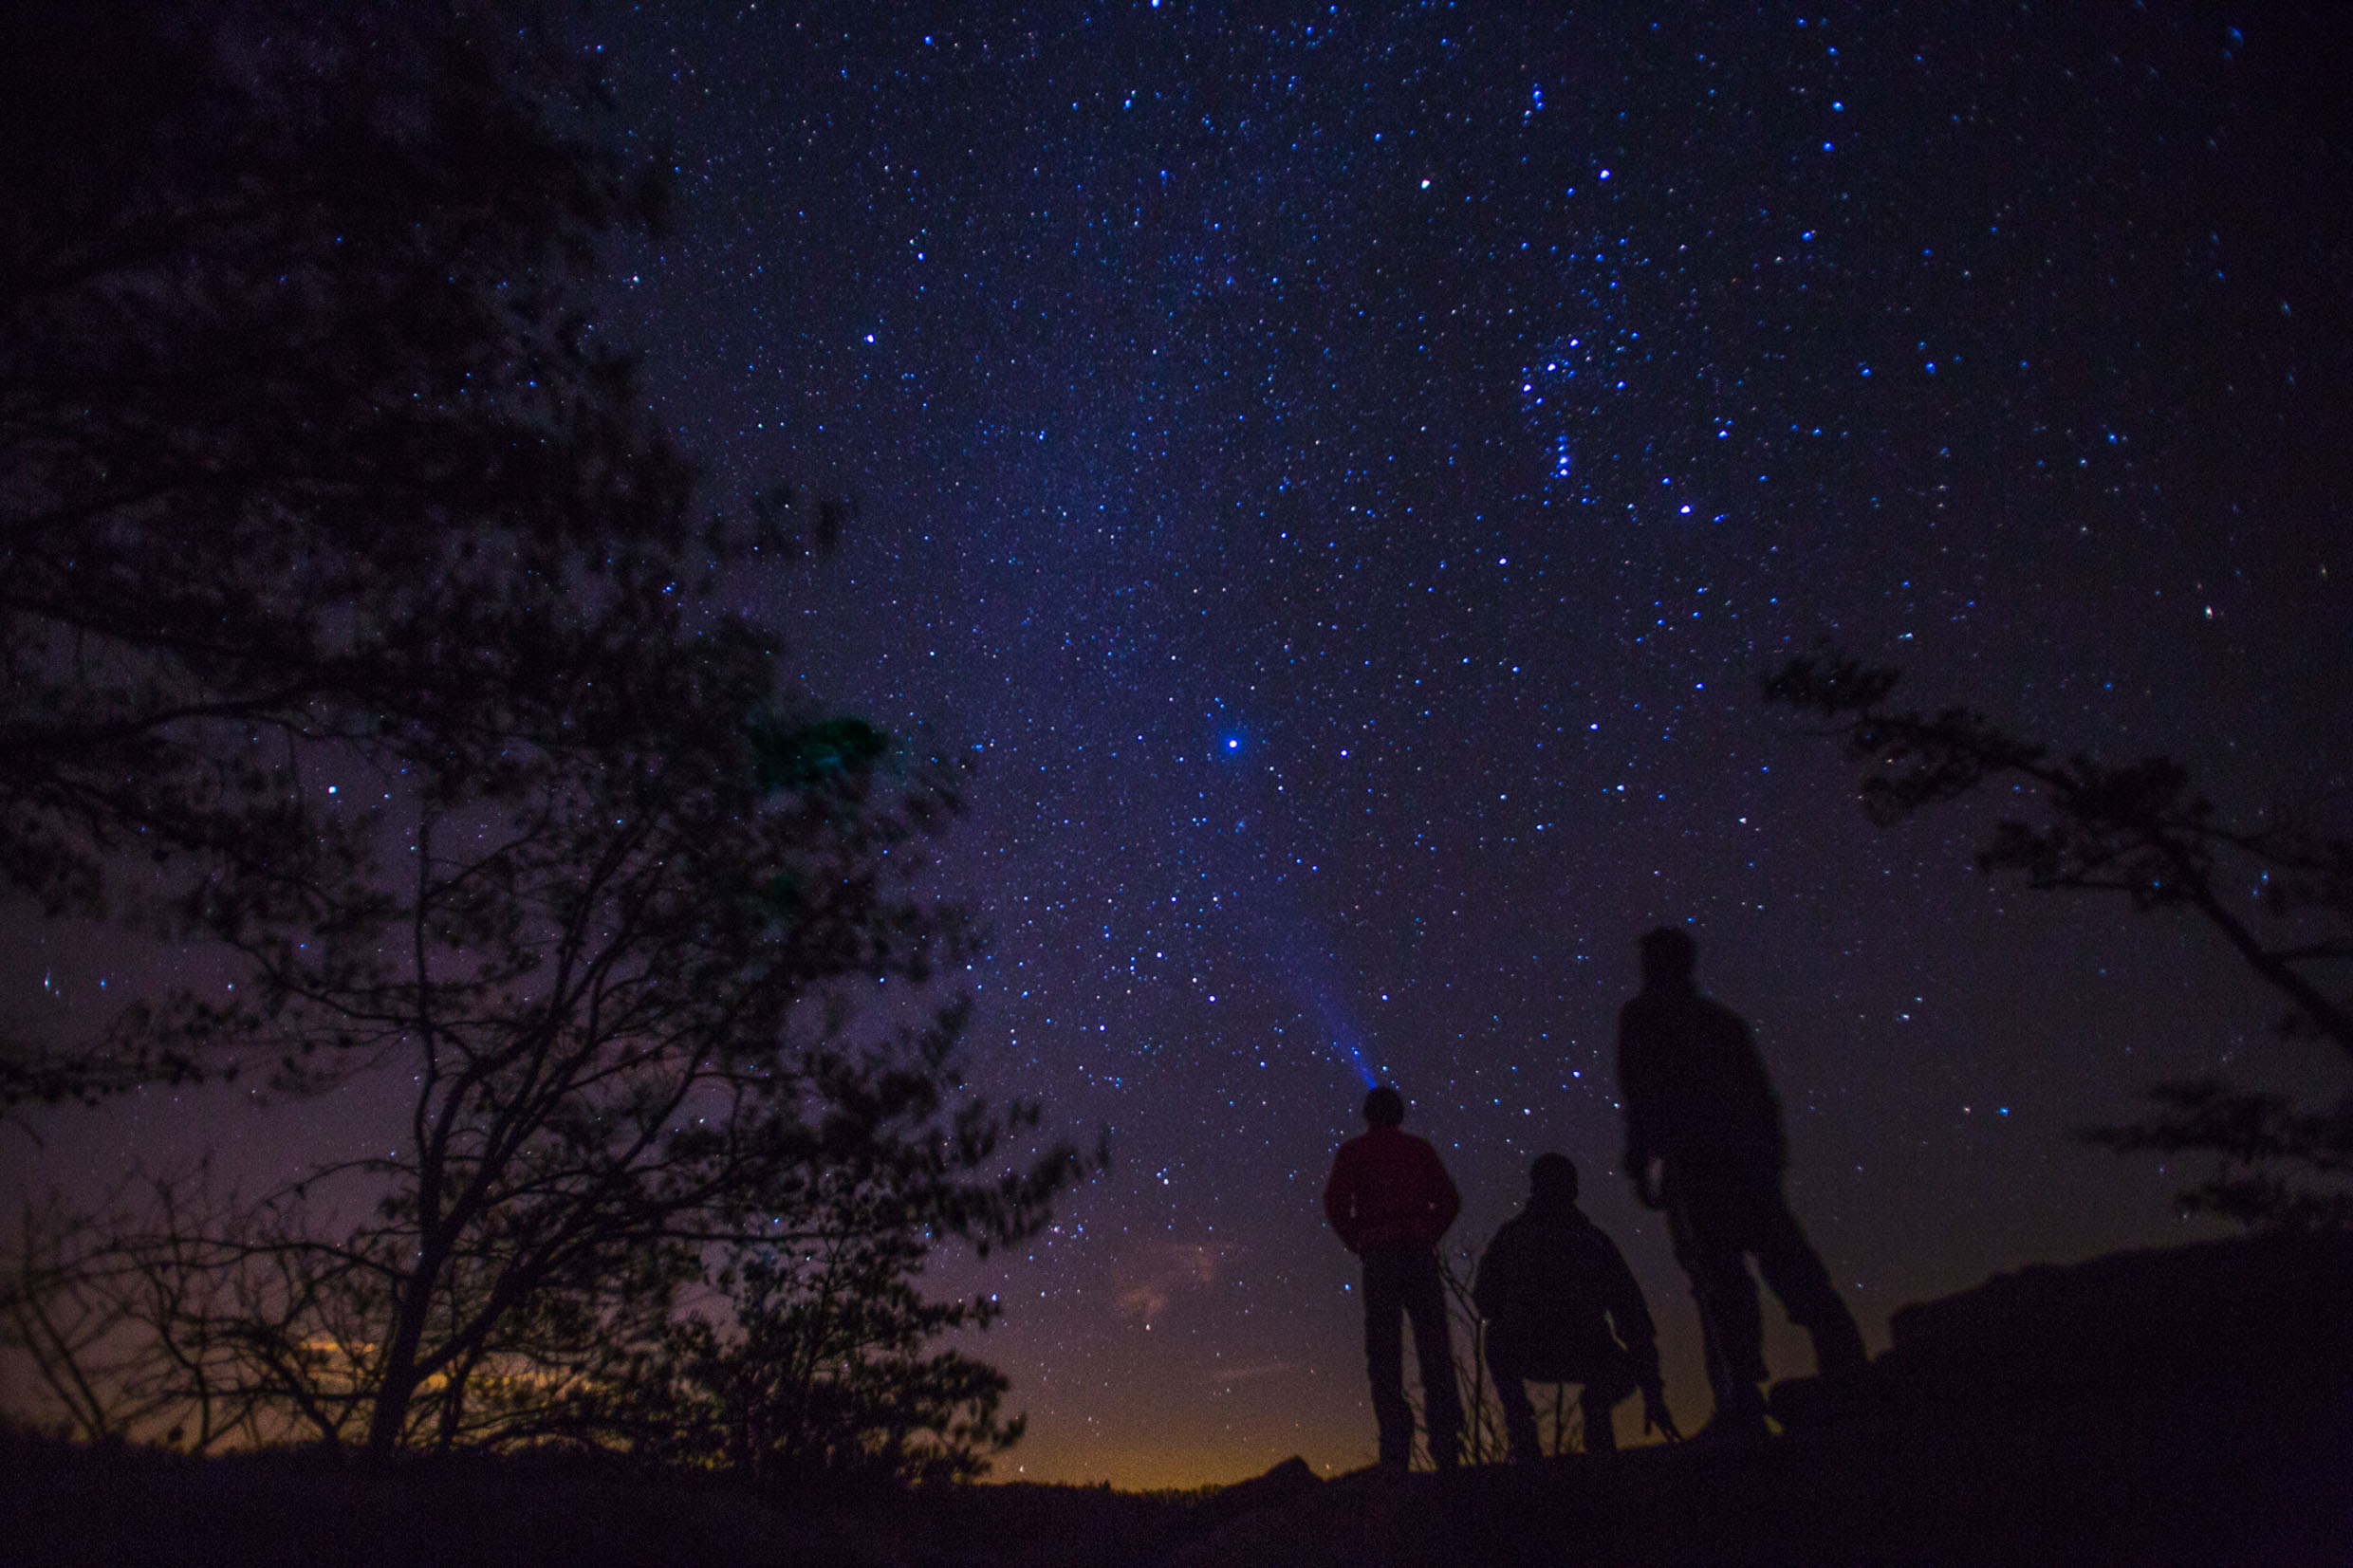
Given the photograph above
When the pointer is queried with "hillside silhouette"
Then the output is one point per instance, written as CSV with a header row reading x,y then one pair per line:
x,y
2190,1405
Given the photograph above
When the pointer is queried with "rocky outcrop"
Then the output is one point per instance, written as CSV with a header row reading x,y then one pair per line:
x,y
1288,1483
2189,1405
2252,1312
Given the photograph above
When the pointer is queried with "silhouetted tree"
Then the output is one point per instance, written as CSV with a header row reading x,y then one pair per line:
x,y
689,1084
109,1333
60,1326
2252,1137
309,451
821,1366
623,1014
343,586
2138,829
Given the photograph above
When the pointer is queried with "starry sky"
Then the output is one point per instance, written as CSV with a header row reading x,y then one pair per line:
x,y
1339,476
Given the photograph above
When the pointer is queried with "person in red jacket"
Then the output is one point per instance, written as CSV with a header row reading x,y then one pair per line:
x,y
1390,1199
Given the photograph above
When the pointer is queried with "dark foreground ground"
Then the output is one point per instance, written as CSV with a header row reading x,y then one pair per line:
x,y
2185,1406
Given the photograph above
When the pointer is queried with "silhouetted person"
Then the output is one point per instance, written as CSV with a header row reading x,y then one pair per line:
x,y
1700,1109
1562,1307
1390,1199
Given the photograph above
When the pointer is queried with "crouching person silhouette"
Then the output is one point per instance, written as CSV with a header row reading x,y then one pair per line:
x,y
1562,1307
1390,1199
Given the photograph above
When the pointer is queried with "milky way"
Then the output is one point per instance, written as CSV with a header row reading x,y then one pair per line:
x,y
1338,482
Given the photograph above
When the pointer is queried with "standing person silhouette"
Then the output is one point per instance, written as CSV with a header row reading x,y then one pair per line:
x,y
1704,1142
1390,1199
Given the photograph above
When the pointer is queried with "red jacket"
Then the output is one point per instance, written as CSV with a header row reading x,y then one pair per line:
x,y
1389,1185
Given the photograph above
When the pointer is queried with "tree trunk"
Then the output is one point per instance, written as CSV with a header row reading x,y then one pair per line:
x,y
397,1387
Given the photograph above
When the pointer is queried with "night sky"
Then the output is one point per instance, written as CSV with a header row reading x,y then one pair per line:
x,y
1339,479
